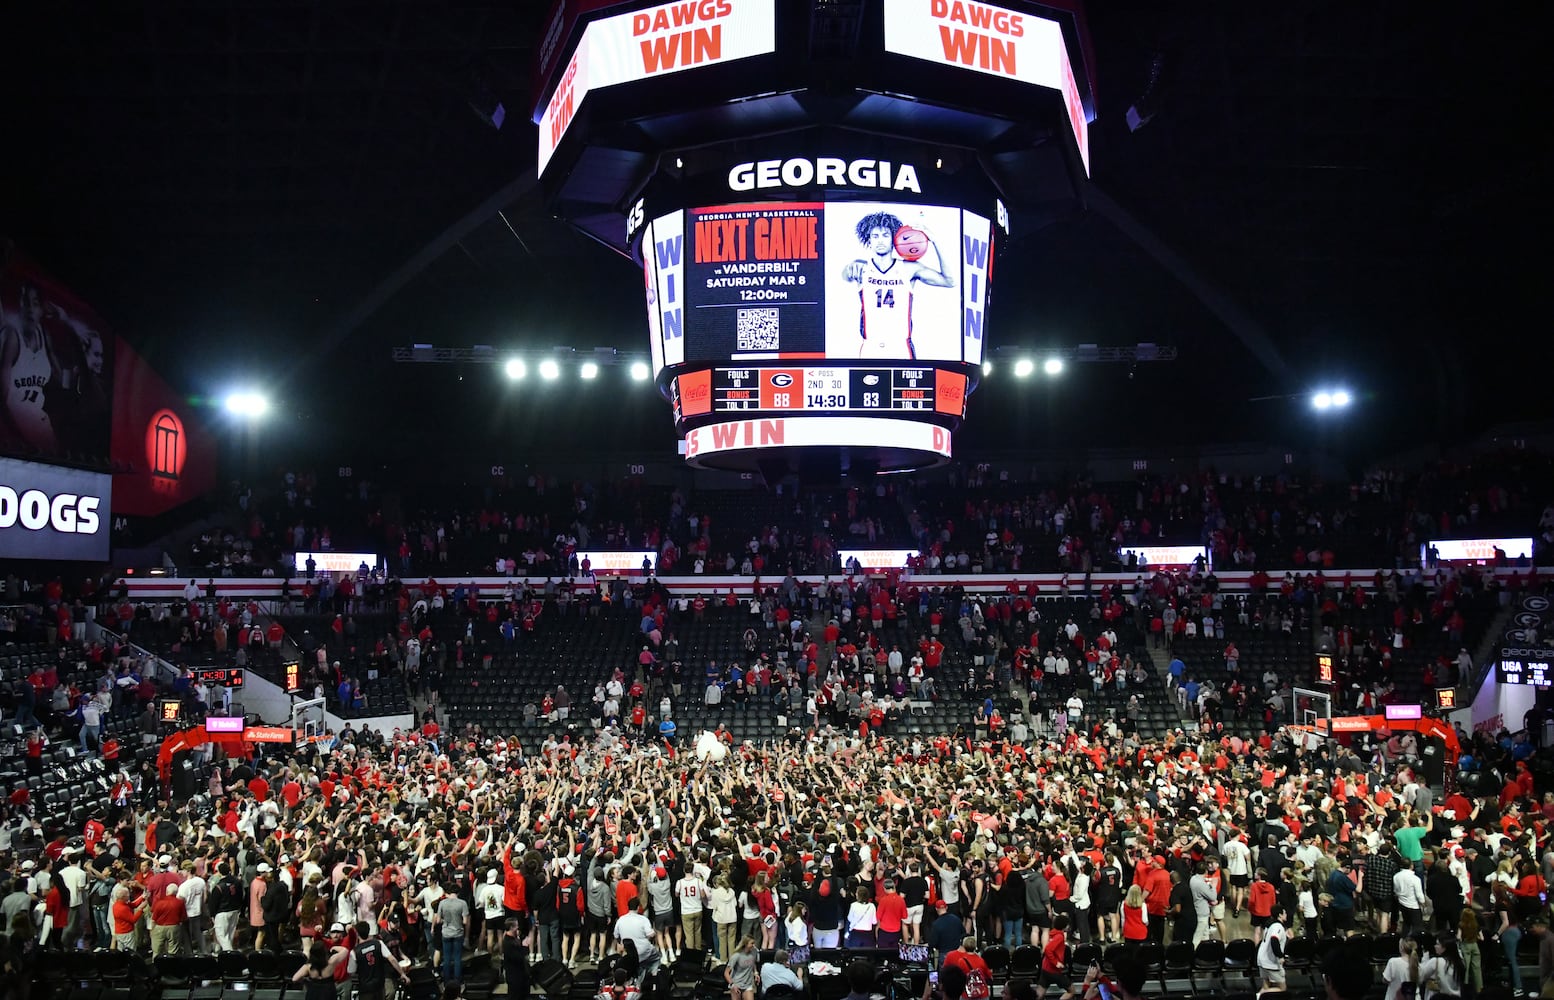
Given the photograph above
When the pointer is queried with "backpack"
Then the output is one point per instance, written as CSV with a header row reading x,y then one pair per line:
x,y
977,987
225,897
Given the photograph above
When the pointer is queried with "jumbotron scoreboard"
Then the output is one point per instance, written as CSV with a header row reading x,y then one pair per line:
x,y
817,196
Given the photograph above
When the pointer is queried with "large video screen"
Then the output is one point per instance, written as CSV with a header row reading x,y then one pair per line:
x,y
56,370
839,281
50,512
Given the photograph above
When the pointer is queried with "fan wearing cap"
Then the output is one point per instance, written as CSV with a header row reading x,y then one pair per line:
x,y
488,900
570,910
263,874
660,891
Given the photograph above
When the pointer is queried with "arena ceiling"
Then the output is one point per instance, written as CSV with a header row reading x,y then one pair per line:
x,y
228,181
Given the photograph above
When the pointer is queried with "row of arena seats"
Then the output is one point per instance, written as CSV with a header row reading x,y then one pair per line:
x,y
581,652
72,786
1180,970
1375,521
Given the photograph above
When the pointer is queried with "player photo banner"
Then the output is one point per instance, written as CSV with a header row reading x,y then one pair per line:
x,y
756,282
56,370
891,277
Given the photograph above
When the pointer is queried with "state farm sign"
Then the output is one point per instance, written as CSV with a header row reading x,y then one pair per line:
x,y
992,40
651,43
47,512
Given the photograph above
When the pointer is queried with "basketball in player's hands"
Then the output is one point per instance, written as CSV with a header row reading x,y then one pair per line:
x,y
911,243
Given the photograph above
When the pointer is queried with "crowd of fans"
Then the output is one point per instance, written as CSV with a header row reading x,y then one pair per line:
x,y
1047,823
427,846
973,515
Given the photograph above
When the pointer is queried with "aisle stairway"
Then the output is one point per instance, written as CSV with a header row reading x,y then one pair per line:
x,y
1161,658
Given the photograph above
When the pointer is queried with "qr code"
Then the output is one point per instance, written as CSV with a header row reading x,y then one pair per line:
x,y
756,330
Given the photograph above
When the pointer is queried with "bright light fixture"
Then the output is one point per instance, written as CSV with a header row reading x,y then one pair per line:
x,y
987,368
549,370
1024,367
516,369
247,404
639,371
1340,397
1322,400
589,370
1053,366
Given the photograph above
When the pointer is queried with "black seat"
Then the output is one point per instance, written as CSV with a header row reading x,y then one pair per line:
x,y
1208,960
1300,956
233,966
1080,957
1177,961
997,958
1241,956
173,970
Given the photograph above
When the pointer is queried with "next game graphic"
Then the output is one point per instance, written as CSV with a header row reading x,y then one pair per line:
x,y
756,285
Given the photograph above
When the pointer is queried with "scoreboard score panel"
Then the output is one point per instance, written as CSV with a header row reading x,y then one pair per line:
x,y
821,389
1534,673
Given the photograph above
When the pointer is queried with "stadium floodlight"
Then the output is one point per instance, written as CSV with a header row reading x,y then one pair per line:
x,y
516,369
1053,366
1340,398
549,370
1024,367
589,370
247,404
639,371
1322,401
987,368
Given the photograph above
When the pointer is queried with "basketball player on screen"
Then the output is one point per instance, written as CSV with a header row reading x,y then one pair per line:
x,y
27,370
885,298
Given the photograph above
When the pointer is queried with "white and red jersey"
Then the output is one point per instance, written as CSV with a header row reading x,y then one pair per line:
x,y
885,309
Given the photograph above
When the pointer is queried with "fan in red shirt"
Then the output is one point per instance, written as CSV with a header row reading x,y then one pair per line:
x,y
1054,957
291,793
259,788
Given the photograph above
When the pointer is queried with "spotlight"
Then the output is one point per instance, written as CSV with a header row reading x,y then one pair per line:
x,y
987,368
247,404
516,369
1053,366
589,370
639,371
1340,398
1322,400
549,370
1024,367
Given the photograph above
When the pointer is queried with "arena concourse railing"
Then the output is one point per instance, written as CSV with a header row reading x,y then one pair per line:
x,y
1050,584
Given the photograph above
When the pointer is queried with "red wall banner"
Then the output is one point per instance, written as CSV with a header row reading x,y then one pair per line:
x,y
163,455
